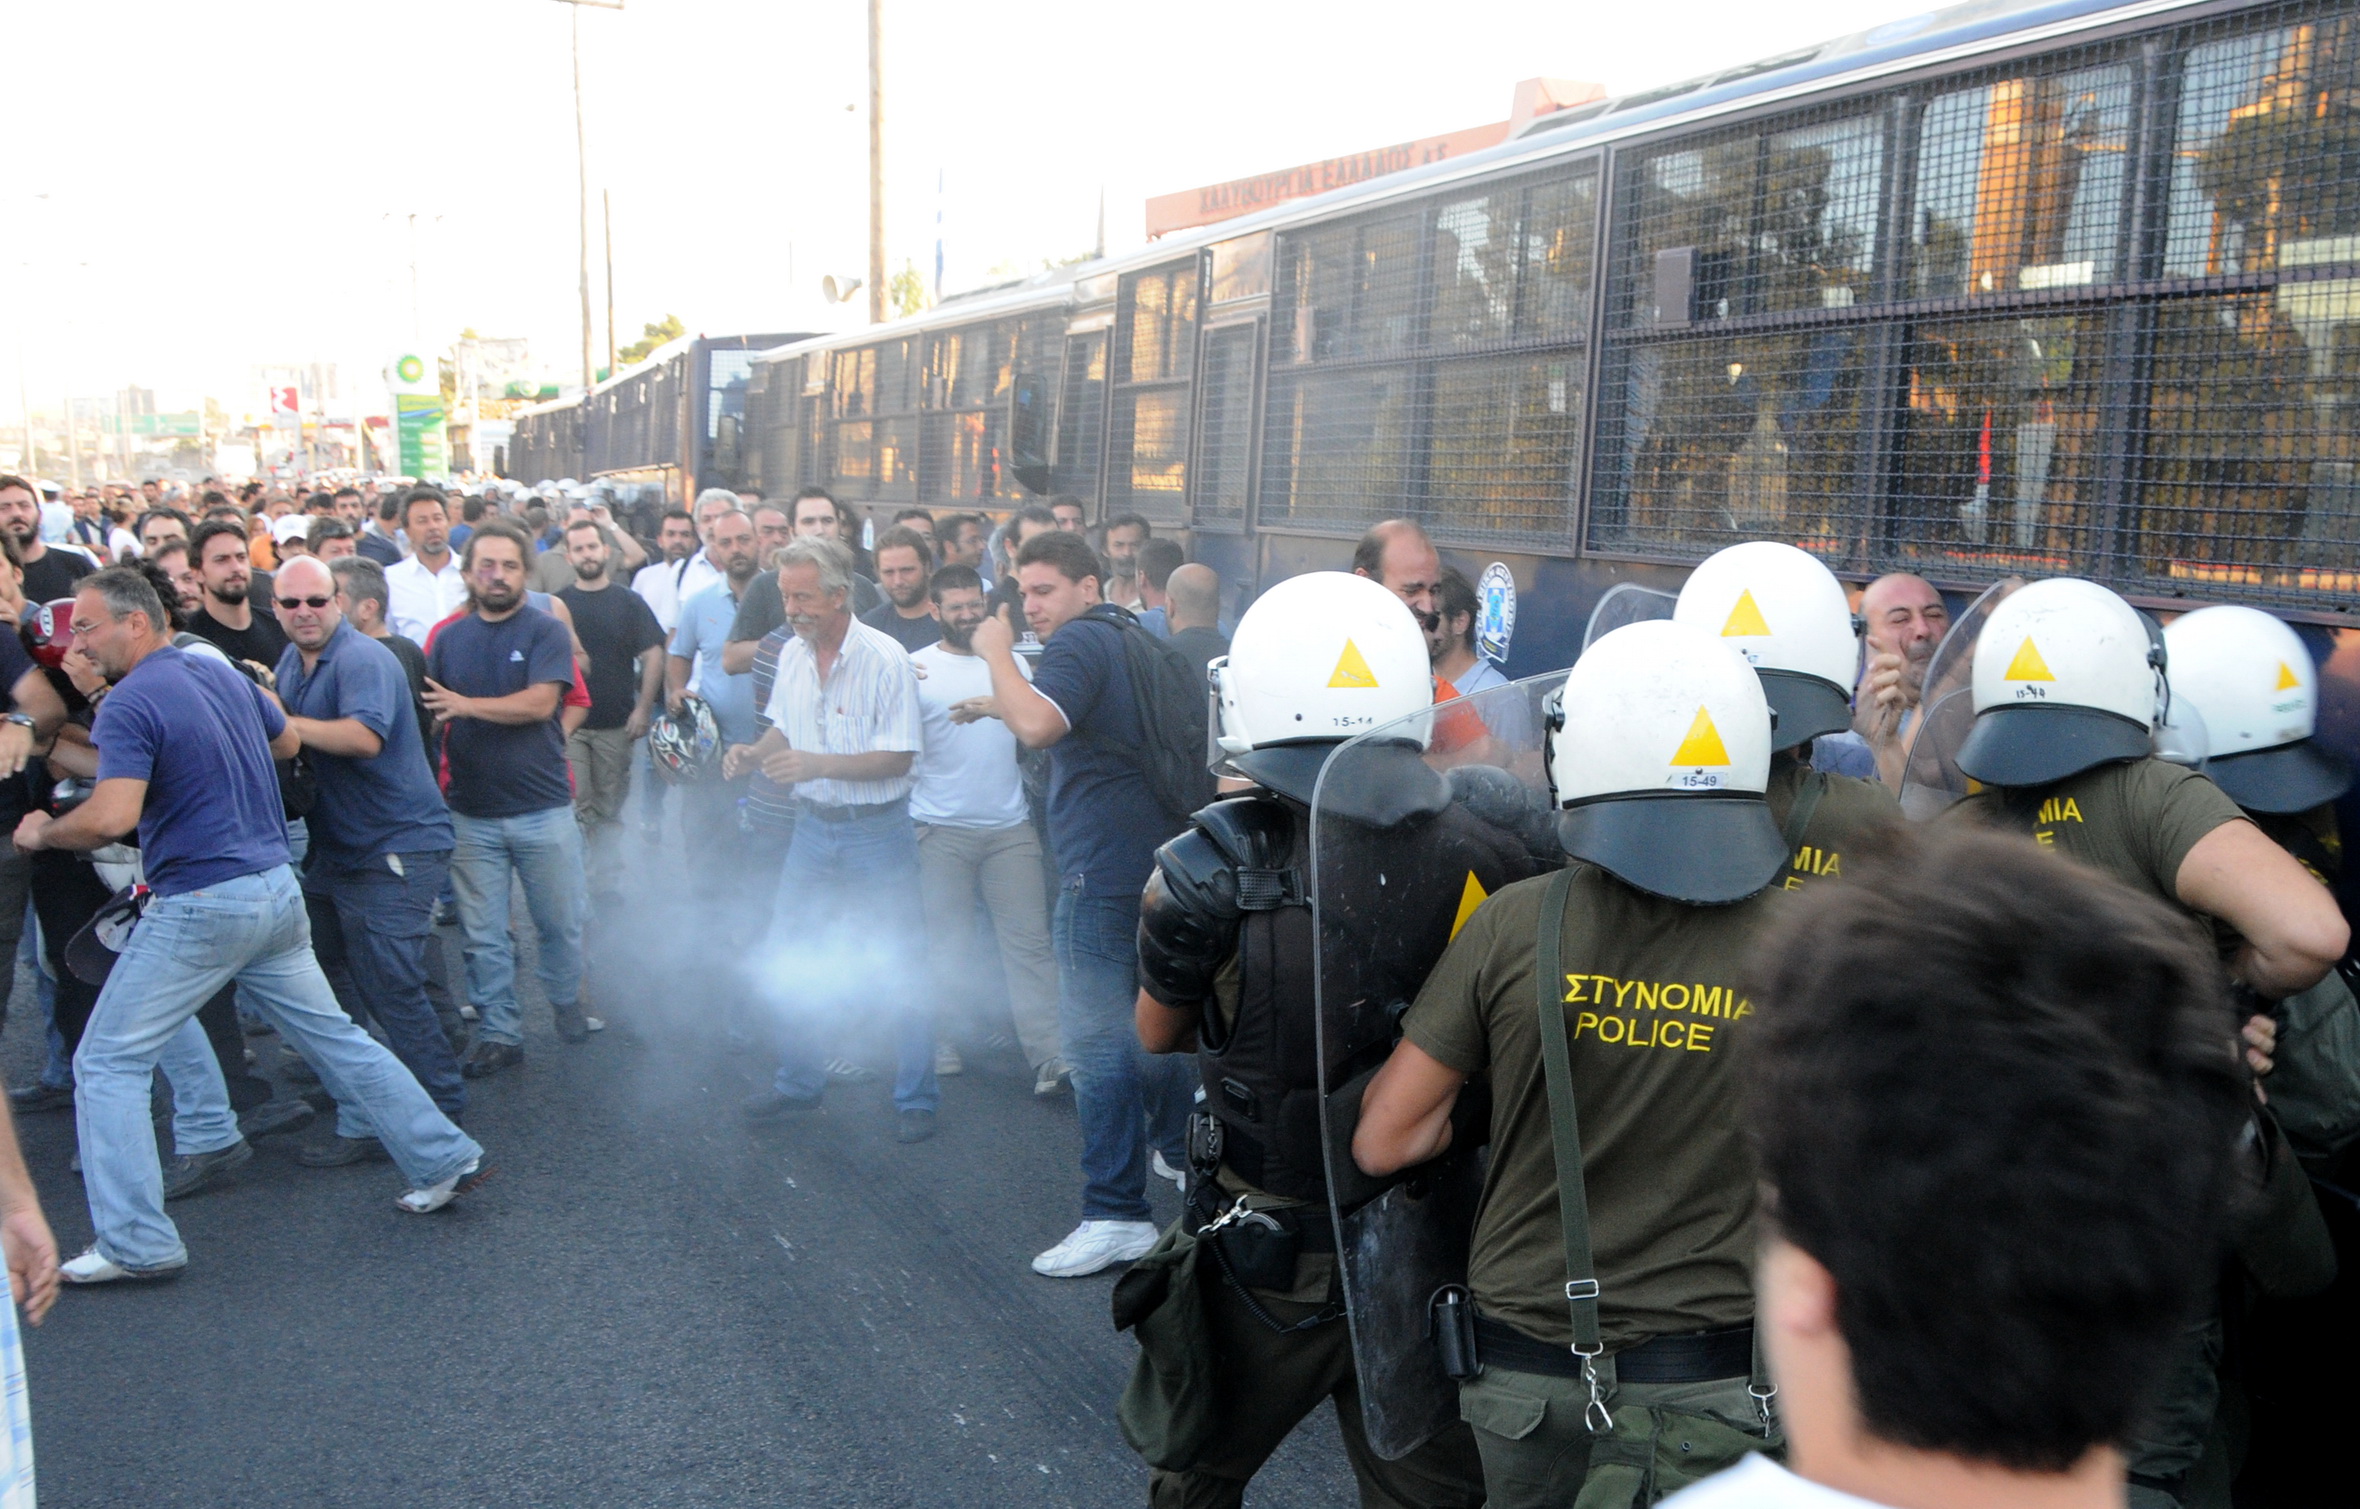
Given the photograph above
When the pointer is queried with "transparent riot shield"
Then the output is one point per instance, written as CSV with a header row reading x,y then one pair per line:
x,y
1930,777
1626,603
1413,824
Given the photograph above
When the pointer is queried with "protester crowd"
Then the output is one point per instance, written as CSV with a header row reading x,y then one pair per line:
x,y
261,747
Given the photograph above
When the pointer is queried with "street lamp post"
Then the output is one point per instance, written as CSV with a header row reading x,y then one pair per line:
x,y
876,162
582,176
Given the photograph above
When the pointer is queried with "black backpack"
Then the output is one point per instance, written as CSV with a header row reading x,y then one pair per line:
x,y
1170,695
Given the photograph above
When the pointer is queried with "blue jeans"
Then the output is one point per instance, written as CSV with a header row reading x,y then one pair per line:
x,y
544,849
845,937
375,924
252,930
1128,1100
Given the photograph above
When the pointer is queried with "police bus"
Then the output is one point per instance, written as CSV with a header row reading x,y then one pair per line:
x,y
658,431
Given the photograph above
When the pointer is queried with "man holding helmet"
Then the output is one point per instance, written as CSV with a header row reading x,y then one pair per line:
x,y
2069,686
1611,1277
1229,954
1787,615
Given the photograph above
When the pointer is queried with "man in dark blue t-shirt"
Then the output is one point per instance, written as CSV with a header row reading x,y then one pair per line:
x,y
185,746
380,839
1105,825
496,678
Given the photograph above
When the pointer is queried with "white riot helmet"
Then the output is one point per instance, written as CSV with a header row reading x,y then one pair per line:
x,y
2258,690
2067,678
1318,659
1659,750
1787,614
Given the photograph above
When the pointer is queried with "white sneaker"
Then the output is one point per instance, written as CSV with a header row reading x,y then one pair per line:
x,y
1095,1246
435,1196
844,1071
1164,1170
95,1267
1051,1077
947,1061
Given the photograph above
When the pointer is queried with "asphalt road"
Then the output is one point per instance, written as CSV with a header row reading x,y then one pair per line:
x,y
650,1304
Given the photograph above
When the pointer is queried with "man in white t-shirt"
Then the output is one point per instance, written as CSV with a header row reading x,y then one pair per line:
x,y
976,839
1995,1098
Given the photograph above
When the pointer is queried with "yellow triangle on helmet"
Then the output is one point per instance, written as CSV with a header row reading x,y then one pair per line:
x,y
1745,620
2028,666
1352,668
1470,897
1703,745
2286,677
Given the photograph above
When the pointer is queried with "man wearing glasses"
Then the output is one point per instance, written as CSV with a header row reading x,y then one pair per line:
x,y
184,756
380,841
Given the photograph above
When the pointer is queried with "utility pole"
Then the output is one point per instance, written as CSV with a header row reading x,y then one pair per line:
x,y
606,198
582,177
876,162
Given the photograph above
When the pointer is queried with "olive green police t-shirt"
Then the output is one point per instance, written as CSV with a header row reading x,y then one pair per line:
x,y
2135,820
1849,810
1652,1007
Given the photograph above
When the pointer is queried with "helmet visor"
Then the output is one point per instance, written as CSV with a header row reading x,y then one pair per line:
x,y
2290,778
1804,707
1707,850
2032,746
1382,781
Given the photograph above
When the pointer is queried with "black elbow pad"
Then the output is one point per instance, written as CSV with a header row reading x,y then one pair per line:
x,y
1181,945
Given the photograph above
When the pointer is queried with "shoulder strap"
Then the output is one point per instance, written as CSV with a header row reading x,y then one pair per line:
x,y
1573,1196
1798,822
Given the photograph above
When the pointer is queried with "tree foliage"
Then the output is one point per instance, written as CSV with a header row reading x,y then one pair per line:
x,y
656,334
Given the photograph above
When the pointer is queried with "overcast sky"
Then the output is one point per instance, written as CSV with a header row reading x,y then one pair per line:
x,y
228,183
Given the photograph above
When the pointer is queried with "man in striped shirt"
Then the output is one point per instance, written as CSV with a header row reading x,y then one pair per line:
x,y
845,728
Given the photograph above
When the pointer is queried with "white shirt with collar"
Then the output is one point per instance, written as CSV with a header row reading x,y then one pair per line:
x,y
665,585
868,703
418,599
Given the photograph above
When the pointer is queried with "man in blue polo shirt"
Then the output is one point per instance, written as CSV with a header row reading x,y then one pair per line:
x,y
496,678
695,664
380,839
1105,825
184,757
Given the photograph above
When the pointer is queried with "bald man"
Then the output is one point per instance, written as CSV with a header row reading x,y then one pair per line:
x,y
1905,620
1192,595
1396,555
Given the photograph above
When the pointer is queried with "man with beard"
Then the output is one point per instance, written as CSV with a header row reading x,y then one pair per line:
x,y
965,540
1905,620
223,614
49,574
658,583
428,585
903,565
172,555
1397,555
1125,533
625,646
846,727
495,678
975,837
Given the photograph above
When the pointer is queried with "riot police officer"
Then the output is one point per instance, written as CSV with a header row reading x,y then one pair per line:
x,y
2069,686
1228,960
1786,613
2247,680
1610,1279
